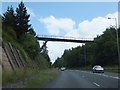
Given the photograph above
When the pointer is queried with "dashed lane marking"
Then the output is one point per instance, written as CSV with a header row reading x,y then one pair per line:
x,y
96,84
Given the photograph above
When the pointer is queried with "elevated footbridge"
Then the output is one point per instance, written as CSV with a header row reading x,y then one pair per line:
x,y
63,39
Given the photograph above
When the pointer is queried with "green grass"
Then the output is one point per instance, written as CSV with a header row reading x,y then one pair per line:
x,y
9,36
115,69
42,78
14,76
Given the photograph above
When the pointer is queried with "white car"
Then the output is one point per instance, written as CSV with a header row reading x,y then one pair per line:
x,y
62,68
98,69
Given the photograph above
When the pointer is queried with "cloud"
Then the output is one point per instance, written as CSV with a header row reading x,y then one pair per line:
x,y
97,25
56,26
56,49
66,27
90,29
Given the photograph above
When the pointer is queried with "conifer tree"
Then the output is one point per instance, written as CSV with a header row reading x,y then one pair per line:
x,y
22,20
9,17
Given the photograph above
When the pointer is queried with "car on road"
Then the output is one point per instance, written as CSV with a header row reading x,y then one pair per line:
x,y
98,69
62,68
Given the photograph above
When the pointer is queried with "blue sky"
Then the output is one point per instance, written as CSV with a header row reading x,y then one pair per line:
x,y
77,11
71,19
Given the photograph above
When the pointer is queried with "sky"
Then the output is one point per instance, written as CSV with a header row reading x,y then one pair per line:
x,y
68,19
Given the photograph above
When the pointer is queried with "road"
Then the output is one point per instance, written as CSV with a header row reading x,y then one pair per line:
x,y
84,79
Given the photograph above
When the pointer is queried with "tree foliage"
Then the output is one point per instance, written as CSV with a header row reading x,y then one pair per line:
x,y
19,21
44,52
103,51
8,18
22,20
33,48
17,26
106,48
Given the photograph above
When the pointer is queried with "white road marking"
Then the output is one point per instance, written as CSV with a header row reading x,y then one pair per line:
x,y
96,84
108,76
103,75
111,76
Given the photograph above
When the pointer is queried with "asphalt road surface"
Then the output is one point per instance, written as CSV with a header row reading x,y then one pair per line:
x,y
84,79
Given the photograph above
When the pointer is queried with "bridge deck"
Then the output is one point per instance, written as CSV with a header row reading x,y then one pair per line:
x,y
63,40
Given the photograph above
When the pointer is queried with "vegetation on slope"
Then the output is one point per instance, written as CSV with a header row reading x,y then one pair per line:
x,y
17,30
103,51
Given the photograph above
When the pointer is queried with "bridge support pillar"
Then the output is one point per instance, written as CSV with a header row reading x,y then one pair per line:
x,y
44,44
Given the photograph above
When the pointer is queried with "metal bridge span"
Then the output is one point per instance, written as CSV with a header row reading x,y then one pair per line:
x,y
63,39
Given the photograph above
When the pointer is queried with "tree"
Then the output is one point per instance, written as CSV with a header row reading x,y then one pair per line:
x,y
58,63
103,51
106,48
31,45
9,17
22,20
44,52
32,32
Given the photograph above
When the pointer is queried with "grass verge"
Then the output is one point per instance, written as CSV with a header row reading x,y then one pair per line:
x,y
14,76
114,69
42,78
